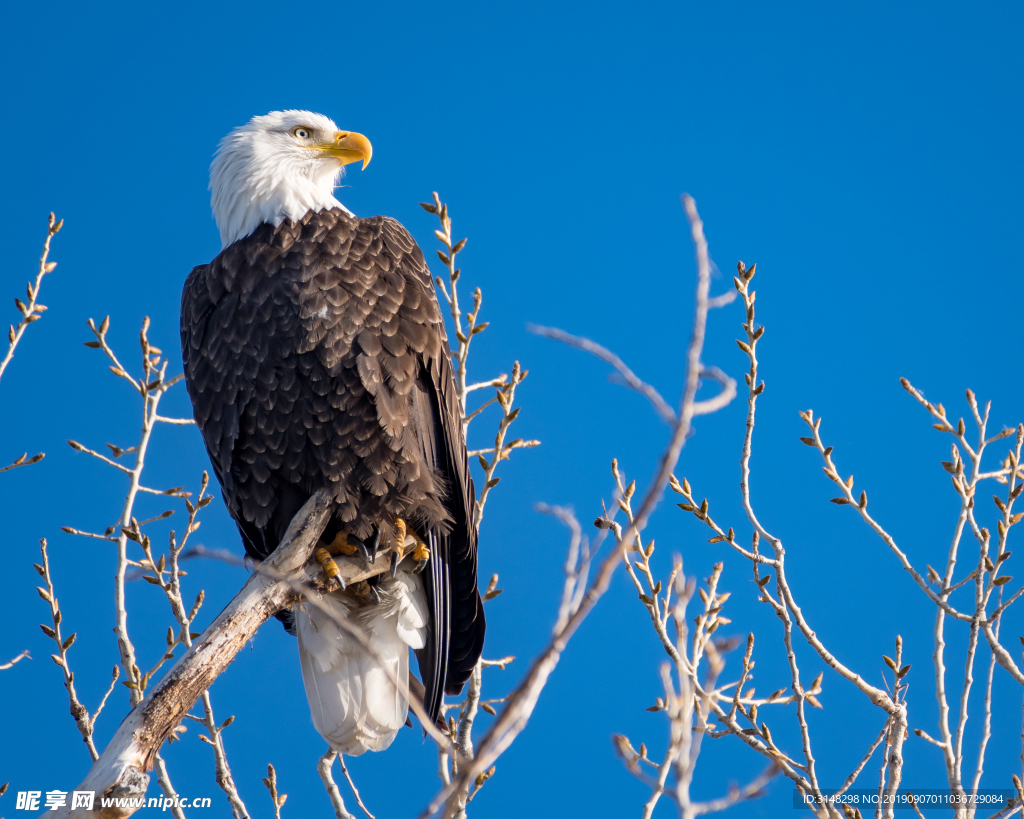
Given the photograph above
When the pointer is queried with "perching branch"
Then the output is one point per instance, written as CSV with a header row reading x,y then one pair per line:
x,y
121,768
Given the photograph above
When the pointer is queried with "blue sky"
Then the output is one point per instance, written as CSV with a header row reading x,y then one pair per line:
x,y
866,157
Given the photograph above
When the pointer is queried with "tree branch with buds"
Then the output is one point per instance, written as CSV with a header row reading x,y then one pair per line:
x,y
31,311
515,715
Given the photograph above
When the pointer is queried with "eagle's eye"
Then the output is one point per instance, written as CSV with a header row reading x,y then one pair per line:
x,y
301,132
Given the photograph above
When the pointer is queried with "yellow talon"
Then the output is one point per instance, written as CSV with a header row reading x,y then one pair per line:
x,y
340,545
398,548
419,552
324,559
367,591
400,534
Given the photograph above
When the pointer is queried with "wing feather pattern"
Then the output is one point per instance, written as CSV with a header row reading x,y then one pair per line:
x,y
315,355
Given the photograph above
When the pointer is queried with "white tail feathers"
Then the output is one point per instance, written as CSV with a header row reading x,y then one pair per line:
x,y
354,704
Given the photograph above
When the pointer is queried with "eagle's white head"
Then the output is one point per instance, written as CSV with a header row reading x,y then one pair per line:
x,y
277,167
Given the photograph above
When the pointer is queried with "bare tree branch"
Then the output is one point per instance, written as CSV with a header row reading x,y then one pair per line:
x,y
12,662
698,704
78,711
323,767
668,415
33,310
121,768
352,785
514,717
270,781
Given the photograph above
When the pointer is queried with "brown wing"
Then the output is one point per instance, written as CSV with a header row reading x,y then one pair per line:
x,y
315,355
452,580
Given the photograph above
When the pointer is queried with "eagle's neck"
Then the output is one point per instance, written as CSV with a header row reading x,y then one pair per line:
x,y
249,189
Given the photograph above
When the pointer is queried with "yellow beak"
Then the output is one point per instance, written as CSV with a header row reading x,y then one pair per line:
x,y
348,146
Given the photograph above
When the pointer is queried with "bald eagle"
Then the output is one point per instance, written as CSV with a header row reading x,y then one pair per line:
x,y
316,357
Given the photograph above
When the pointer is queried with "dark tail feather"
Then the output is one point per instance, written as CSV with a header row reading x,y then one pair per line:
x,y
468,625
287,618
467,642
433,657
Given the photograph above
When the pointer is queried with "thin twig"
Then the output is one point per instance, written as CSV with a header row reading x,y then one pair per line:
x,y
270,781
631,380
864,761
110,690
18,659
323,767
23,460
355,790
787,609
752,790
33,310
78,711
164,779
514,717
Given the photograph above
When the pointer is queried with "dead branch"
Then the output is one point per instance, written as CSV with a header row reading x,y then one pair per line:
x,y
121,769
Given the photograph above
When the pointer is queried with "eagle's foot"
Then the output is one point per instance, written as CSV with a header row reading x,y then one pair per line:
x,y
375,541
421,554
367,590
398,548
345,544
330,568
348,544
